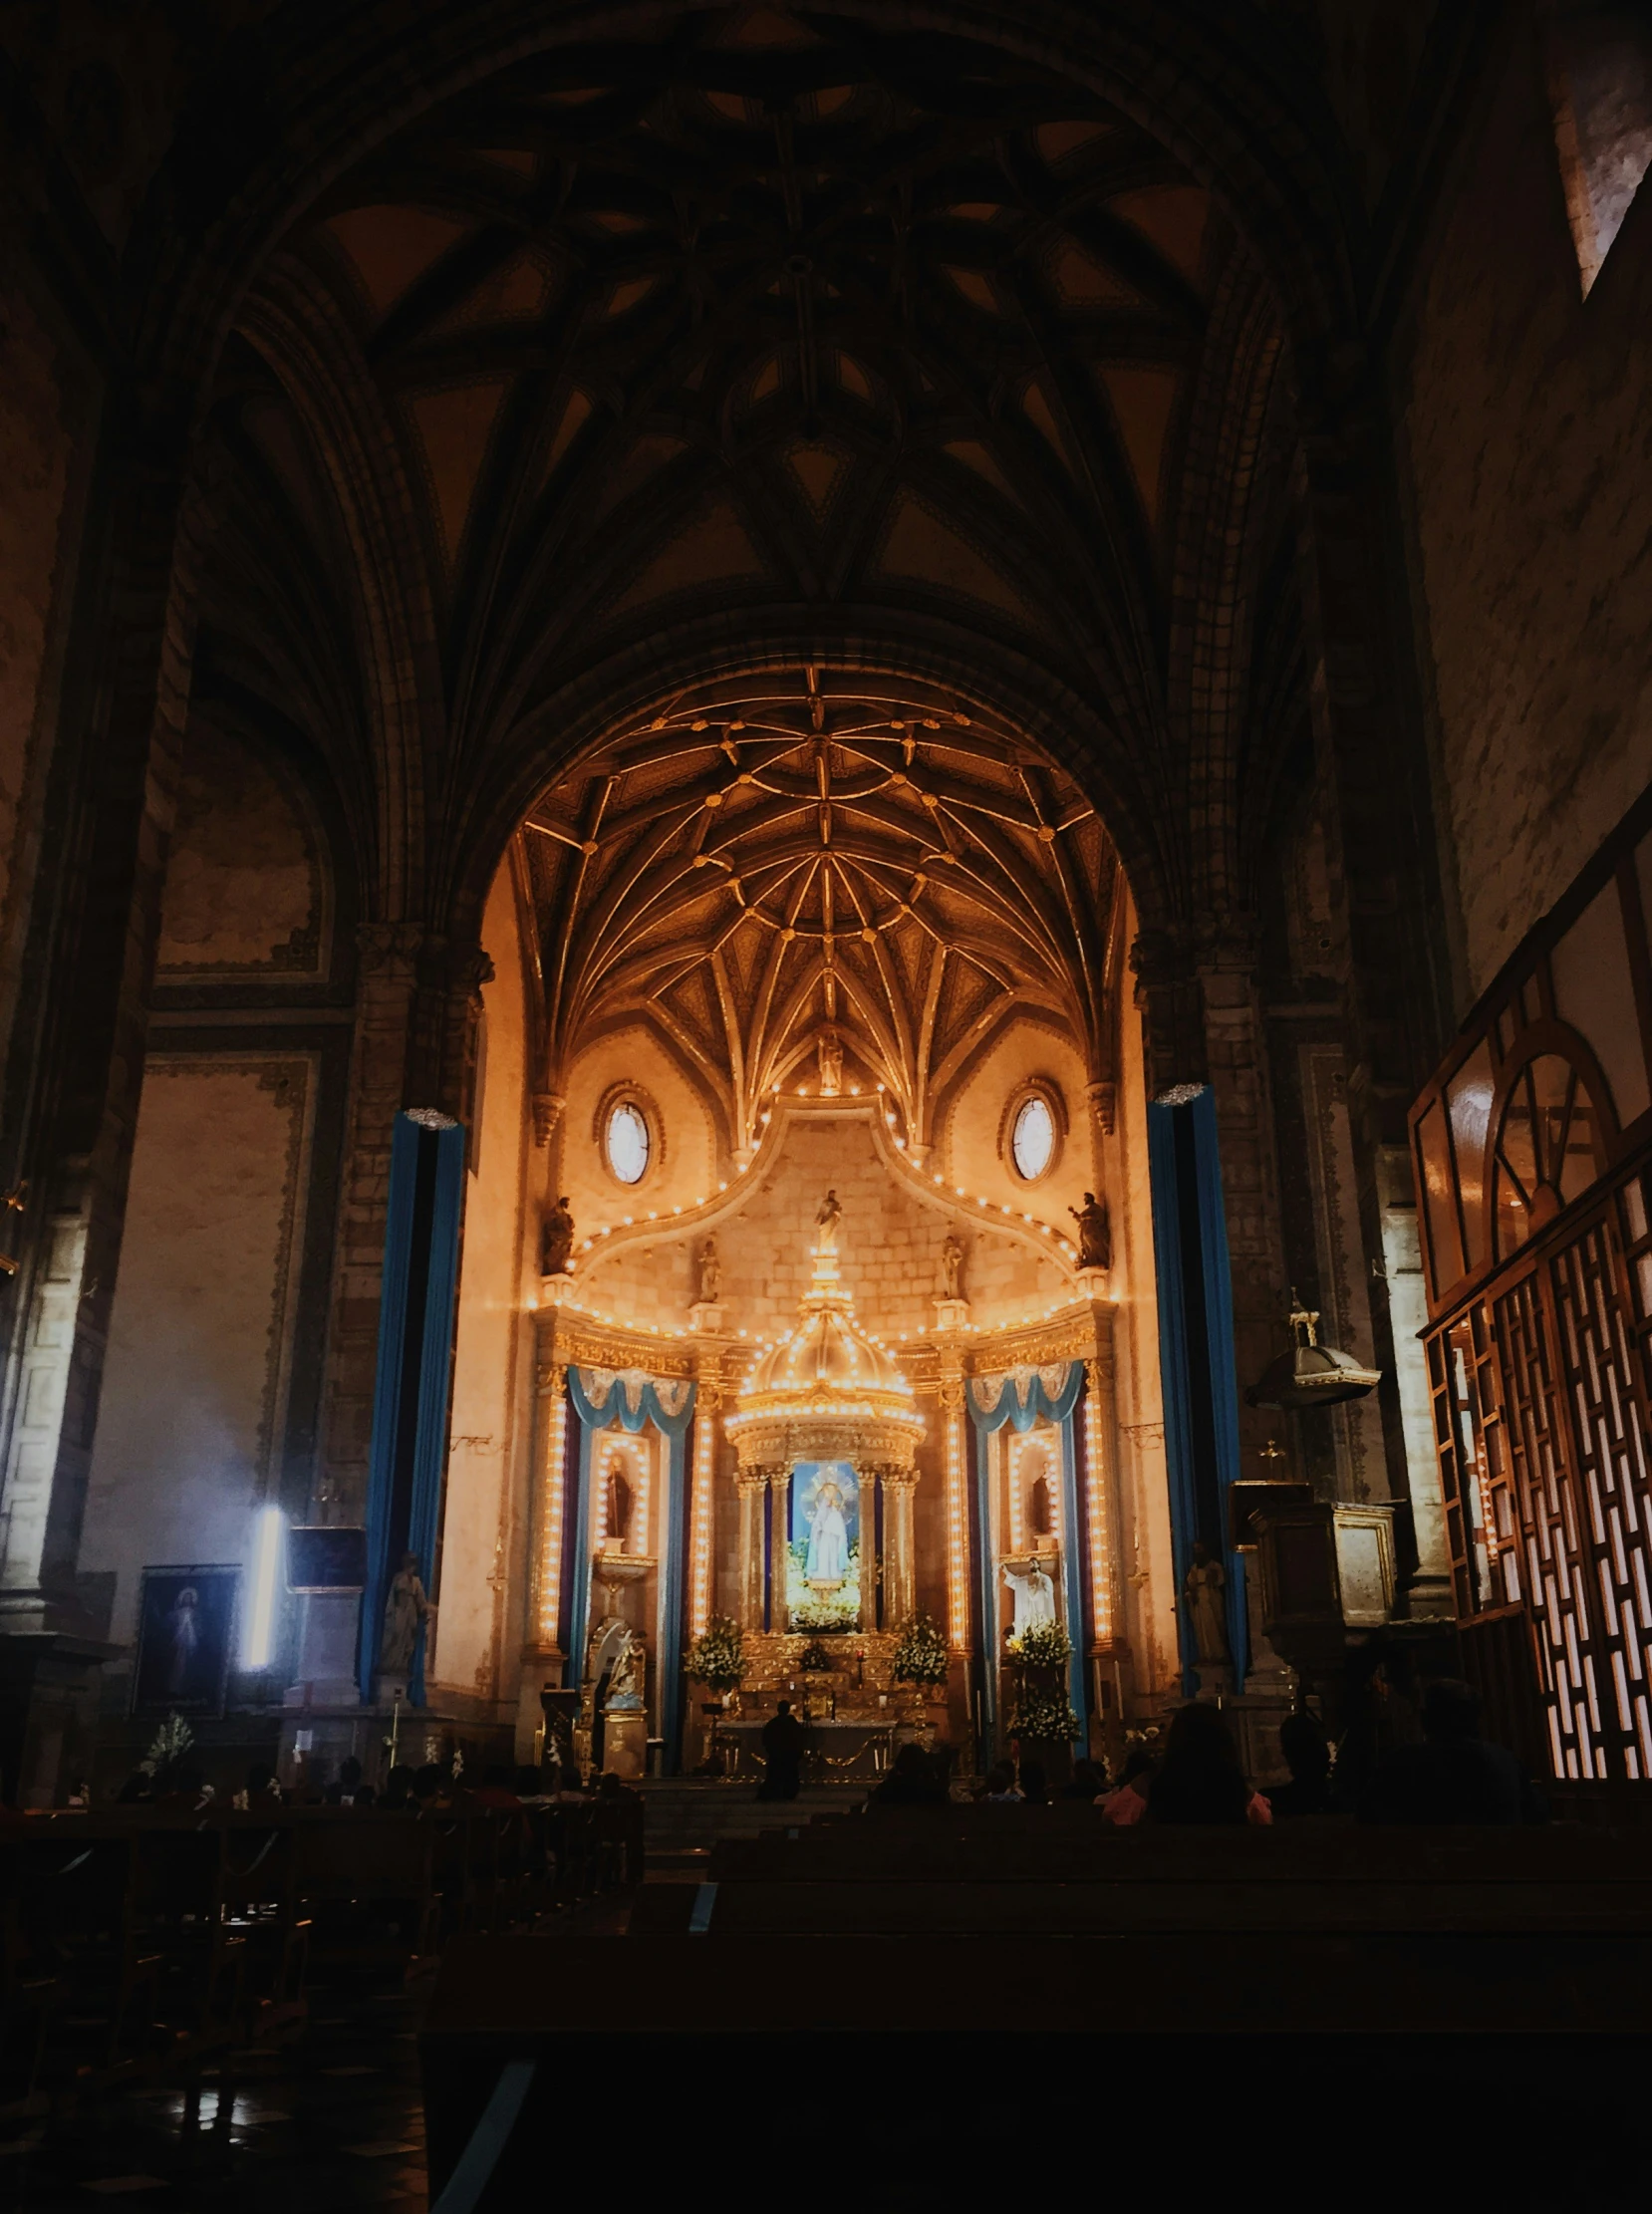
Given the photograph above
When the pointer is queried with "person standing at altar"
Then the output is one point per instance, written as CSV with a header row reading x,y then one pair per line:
x,y
785,1738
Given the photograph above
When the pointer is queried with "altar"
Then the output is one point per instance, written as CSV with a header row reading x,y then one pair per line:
x,y
840,1749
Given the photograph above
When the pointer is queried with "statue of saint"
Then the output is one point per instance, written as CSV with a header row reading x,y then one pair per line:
x,y
952,1269
1034,1597
826,1225
1095,1237
828,1556
625,1684
558,1239
710,1273
1206,1591
405,1606
828,1052
617,1508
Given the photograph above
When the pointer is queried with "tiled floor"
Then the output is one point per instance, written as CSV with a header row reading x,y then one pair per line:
x,y
331,2120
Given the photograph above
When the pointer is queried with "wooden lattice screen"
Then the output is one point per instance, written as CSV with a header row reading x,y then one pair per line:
x,y
1534,1153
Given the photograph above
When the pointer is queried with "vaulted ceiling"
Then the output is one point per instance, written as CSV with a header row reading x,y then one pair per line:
x,y
770,319
775,859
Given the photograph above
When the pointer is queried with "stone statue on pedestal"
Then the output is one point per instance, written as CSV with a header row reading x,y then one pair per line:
x,y
1035,1597
829,1051
558,1240
1204,1588
405,1607
952,1269
710,1273
1095,1235
826,1225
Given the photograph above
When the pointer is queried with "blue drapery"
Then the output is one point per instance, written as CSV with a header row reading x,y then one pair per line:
x,y
1048,1393
601,1397
407,1452
1196,1350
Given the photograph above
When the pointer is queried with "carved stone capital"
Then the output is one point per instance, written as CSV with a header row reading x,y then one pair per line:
x,y
547,1113
390,949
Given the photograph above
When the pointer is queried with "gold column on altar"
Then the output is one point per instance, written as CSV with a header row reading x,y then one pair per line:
x,y
900,1559
752,1486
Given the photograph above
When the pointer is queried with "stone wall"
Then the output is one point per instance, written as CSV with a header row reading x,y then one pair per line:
x,y
891,1242
1527,456
195,1382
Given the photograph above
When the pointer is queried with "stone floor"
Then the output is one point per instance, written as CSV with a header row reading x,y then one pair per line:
x,y
332,2120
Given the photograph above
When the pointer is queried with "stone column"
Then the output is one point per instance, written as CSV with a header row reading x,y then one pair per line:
x,y
383,1021
752,1487
900,1568
779,1509
541,1647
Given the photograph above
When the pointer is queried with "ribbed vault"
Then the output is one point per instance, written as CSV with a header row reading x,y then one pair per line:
x,y
811,856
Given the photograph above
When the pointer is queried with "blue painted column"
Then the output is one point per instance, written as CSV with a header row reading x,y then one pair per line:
x,y
1196,1350
408,1455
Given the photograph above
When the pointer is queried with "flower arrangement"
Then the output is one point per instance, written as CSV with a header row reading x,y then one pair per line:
x,y
172,1742
1045,1645
1044,1713
814,1658
716,1657
822,1619
919,1655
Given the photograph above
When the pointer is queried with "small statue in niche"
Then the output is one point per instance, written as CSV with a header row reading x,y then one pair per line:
x,y
952,1269
625,1684
826,1225
710,1273
1095,1235
1204,1588
829,1053
1038,1507
405,1607
617,1508
558,1240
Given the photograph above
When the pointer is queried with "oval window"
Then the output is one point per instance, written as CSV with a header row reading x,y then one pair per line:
x,y
1032,1140
627,1139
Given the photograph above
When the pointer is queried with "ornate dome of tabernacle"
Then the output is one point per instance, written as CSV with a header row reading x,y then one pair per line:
x,y
827,1374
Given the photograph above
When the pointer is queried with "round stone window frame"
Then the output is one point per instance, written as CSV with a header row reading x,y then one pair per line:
x,y
628,1094
1050,1092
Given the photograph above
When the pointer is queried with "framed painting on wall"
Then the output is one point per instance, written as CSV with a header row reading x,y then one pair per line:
x,y
186,1621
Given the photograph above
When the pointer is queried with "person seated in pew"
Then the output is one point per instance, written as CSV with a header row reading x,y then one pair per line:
x,y
1126,1803
535,1786
432,1789
570,1785
1035,1788
912,1781
365,1799
1088,1783
1306,1751
1200,1781
341,1791
1455,1774
397,1796
1000,1788
495,1789
784,1739
260,1791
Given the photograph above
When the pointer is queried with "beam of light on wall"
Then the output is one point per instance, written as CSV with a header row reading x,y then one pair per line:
x,y
266,1565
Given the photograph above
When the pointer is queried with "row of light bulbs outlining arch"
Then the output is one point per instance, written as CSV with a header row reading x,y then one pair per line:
x,y
761,1344
990,1207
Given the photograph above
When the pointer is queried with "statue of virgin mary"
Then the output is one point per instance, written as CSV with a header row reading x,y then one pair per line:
x,y
828,1556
